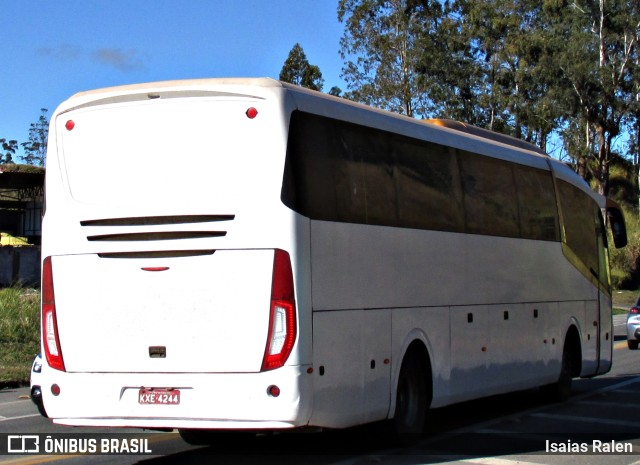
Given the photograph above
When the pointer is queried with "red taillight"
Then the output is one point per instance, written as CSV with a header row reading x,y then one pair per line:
x,y
634,310
50,338
282,314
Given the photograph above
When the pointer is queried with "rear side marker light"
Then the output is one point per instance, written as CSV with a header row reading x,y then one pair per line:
x,y
273,391
50,337
282,314
70,125
251,113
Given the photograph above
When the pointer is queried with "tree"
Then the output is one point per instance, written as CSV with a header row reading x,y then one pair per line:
x,y
297,70
335,91
384,44
9,148
634,114
595,45
36,149
494,74
484,27
450,72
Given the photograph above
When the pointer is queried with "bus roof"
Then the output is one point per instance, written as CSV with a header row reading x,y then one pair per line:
x,y
456,134
199,87
486,133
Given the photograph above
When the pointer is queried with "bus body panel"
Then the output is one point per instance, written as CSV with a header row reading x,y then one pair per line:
x,y
128,154
114,312
492,331
352,352
605,347
227,400
390,268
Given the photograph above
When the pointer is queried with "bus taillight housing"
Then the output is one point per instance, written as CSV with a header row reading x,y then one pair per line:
x,y
282,314
50,338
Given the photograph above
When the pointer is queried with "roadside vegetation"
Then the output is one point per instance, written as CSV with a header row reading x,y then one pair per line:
x,y
625,262
19,334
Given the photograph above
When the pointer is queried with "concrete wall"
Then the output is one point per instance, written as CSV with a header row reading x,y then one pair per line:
x,y
19,265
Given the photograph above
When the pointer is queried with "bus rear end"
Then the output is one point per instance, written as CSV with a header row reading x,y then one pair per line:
x,y
169,284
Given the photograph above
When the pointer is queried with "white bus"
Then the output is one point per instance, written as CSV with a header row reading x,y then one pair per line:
x,y
244,254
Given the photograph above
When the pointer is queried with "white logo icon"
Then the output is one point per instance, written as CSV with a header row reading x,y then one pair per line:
x,y
24,443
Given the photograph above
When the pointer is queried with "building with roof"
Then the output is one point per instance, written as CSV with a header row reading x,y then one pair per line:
x,y
21,209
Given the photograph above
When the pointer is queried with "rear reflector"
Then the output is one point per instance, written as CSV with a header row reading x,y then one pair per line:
x,y
51,341
251,113
282,316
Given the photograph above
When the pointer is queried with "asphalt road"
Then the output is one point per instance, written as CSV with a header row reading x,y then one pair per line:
x,y
514,429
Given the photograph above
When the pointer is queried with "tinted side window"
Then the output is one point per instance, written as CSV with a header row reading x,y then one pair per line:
x,y
364,174
536,204
338,171
578,211
429,191
490,203
309,184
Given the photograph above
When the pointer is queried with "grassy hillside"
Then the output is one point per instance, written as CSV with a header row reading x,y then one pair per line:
x,y
19,334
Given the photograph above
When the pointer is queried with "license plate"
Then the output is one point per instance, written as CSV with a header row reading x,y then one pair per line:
x,y
159,396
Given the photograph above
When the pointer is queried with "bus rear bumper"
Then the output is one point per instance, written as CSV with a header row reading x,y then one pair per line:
x,y
173,423
207,400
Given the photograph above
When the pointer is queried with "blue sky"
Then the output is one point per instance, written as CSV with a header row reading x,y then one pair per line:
x,y
52,49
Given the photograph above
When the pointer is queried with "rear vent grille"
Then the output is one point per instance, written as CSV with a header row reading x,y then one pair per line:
x,y
154,228
157,220
157,254
156,236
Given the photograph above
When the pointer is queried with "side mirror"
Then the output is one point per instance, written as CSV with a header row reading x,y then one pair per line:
x,y
618,228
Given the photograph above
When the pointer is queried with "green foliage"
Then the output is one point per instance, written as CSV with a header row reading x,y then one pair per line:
x,y
36,148
9,148
335,91
383,44
622,188
297,70
625,262
19,333
16,168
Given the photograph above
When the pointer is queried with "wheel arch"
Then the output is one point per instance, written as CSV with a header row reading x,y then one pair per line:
x,y
574,346
416,344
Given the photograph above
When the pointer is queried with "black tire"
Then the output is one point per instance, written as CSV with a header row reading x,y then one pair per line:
x,y
560,391
412,399
36,397
632,344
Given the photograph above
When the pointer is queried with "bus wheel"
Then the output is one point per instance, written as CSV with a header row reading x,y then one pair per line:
x,y
411,399
561,389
